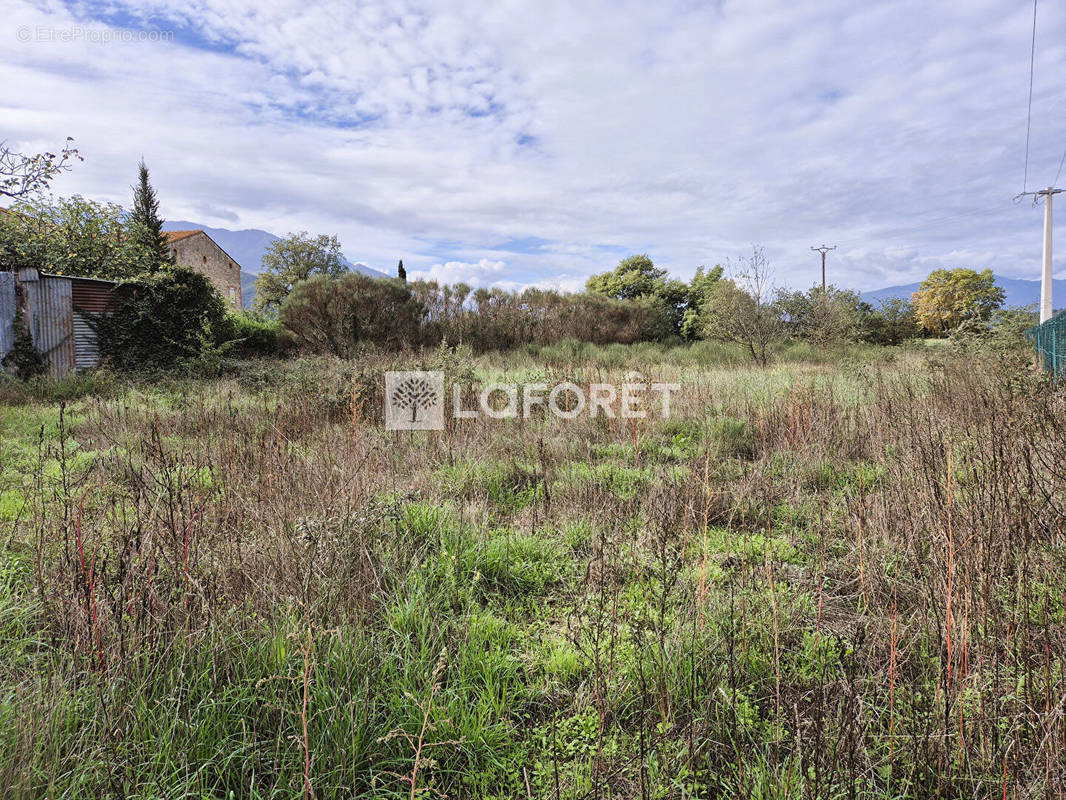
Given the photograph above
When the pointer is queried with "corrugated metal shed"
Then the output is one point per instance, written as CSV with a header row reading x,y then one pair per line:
x,y
89,296
86,350
7,312
92,295
50,318
57,310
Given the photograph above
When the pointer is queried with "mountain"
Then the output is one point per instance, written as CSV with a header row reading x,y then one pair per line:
x,y
247,247
1019,292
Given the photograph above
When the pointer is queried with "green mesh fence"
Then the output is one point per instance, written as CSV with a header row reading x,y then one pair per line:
x,y
1049,340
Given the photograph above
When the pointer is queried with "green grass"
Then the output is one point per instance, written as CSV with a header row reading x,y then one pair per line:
x,y
519,564
702,606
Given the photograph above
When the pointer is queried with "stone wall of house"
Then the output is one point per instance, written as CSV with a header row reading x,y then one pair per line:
x,y
200,253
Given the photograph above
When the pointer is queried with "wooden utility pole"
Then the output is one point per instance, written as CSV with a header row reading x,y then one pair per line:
x,y
823,250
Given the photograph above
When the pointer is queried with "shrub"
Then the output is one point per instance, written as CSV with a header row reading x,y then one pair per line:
x,y
823,317
739,310
1008,326
333,315
253,336
733,437
494,319
172,318
1003,335
891,324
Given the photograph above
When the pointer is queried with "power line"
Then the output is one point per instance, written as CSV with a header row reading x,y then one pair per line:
x,y
906,233
944,222
1061,162
1029,113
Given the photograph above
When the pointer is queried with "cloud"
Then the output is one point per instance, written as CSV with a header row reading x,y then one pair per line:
x,y
211,212
483,273
495,274
554,138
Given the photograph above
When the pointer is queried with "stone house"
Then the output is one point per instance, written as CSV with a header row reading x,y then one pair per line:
x,y
198,251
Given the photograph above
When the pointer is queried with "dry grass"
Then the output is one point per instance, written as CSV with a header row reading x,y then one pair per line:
x,y
814,580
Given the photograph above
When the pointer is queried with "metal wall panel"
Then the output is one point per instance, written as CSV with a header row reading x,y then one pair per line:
x,y
7,312
50,317
93,295
86,349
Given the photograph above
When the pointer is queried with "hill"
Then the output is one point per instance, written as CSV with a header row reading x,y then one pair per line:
x,y
247,248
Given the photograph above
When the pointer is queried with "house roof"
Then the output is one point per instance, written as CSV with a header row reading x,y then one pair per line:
x,y
177,236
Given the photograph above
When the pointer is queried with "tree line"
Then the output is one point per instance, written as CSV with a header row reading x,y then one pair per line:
x,y
308,300
321,307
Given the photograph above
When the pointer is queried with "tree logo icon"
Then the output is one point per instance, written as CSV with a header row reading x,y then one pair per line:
x,y
415,394
414,401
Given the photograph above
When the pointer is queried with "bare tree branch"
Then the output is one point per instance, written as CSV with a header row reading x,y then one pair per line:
x,y
22,175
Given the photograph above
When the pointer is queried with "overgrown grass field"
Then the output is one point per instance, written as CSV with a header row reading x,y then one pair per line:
x,y
840,576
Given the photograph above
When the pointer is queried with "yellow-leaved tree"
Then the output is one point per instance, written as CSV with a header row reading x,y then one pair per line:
x,y
948,298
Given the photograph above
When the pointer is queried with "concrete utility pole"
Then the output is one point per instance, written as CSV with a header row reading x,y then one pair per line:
x,y
1046,307
823,250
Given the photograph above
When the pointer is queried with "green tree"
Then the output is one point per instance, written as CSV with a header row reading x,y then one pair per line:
x,y
948,298
401,273
145,224
637,278
741,310
293,259
700,289
893,323
73,236
823,317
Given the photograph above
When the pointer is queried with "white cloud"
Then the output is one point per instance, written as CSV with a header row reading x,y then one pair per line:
x,y
440,132
483,273
494,274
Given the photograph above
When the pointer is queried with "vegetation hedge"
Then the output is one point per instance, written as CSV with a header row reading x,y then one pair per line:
x,y
165,320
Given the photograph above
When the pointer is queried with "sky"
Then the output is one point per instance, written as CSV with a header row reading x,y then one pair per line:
x,y
516,142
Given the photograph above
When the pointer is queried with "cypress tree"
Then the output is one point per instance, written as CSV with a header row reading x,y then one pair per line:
x,y
401,273
146,226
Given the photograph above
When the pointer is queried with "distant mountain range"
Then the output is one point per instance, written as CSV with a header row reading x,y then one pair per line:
x,y
247,247
1019,292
